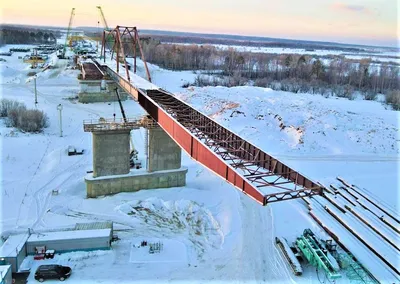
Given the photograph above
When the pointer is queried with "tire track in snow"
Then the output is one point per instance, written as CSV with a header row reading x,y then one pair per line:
x,y
41,207
259,263
30,181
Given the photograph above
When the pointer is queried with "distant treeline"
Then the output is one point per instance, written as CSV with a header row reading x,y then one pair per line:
x,y
336,76
190,39
25,35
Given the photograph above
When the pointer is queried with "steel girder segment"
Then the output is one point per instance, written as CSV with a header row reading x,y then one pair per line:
x,y
225,153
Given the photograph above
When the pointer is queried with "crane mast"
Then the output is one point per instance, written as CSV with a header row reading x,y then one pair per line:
x,y
68,32
103,18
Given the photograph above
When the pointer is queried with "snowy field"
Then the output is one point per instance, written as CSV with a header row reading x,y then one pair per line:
x,y
222,235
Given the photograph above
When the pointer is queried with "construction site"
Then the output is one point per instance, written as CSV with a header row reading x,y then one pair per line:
x,y
154,184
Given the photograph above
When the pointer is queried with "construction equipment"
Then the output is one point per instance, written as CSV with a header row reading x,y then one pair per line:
x,y
108,39
62,55
289,255
133,157
34,59
316,254
103,18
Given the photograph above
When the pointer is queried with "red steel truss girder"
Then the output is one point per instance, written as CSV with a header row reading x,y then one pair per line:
x,y
185,131
117,36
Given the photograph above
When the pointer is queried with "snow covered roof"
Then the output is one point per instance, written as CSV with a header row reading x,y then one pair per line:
x,y
13,245
69,235
93,226
3,271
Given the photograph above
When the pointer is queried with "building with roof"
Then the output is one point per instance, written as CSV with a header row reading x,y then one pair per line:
x,y
82,237
67,241
13,251
5,274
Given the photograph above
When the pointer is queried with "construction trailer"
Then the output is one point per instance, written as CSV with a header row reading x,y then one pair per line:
x,y
84,236
68,241
13,251
5,274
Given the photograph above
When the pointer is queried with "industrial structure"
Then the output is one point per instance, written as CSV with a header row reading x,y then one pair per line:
x,y
236,160
64,50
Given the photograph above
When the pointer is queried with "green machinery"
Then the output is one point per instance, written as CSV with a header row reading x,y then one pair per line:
x,y
315,253
354,270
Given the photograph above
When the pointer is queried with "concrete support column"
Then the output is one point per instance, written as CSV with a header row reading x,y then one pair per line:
x,y
163,152
111,152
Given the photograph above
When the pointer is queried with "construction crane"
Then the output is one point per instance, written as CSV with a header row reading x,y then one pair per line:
x,y
103,18
134,153
62,55
109,38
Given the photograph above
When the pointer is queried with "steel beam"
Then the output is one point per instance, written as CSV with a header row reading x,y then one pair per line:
x,y
213,145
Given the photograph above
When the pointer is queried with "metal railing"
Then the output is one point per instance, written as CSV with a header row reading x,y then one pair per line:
x,y
111,124
90,125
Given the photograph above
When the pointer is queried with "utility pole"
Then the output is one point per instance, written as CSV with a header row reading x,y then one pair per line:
x,y
34,79
59,107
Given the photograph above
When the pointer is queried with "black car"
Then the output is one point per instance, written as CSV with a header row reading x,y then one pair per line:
x,y
52,272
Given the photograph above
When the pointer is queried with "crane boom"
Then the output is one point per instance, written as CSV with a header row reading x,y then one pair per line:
x,y
68,31
120,105
134,152
103,18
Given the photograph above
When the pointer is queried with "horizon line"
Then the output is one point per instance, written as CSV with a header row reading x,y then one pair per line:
x,y
396,46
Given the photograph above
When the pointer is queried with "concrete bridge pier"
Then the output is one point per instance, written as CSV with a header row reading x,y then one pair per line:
x,y
111,169
163,152
111,152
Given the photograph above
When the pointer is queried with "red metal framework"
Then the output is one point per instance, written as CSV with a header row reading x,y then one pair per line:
x,y
116,41
237,161
235,154
220,150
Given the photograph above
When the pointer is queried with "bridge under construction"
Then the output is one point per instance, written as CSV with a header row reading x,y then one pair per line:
x,y
256,173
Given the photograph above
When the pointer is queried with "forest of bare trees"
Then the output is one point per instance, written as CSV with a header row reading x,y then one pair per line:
x,y
24,35
336,75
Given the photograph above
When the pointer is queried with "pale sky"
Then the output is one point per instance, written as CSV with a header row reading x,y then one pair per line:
x,y
353,21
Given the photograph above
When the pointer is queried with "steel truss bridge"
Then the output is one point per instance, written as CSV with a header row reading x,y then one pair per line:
x,y
251,170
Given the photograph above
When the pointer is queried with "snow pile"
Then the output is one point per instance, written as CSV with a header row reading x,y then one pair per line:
x,y
321,137
177,217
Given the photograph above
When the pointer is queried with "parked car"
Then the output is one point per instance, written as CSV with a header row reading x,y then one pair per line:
x,y
53,271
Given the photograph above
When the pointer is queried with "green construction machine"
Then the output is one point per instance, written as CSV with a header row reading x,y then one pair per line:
x,y
316,254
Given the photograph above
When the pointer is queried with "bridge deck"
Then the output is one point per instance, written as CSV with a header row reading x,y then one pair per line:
x,y
231,157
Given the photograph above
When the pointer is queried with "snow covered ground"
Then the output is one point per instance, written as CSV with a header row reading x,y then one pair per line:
x,y
227,236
